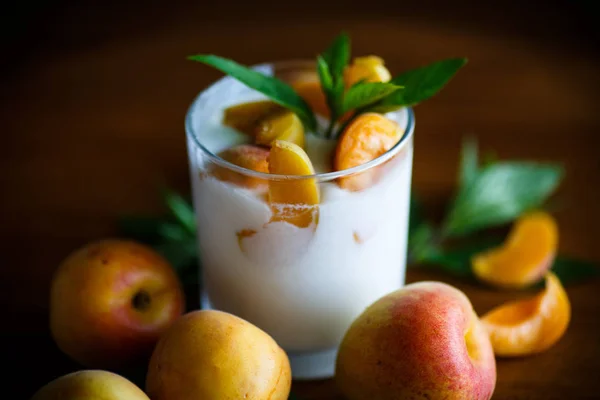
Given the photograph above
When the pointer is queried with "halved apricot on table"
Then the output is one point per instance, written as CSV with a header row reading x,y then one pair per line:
x,y
246,116
294,201
526,255
532,325
367,137
247,156
282,125
369,69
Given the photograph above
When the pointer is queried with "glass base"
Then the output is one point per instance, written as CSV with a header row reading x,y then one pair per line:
x,y
305,365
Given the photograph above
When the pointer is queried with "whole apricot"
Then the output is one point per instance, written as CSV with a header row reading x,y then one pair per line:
x,y
213,355
423,341
111,300
90,384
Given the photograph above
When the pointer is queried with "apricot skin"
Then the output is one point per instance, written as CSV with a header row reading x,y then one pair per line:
x,y
423,341
213,355
245,117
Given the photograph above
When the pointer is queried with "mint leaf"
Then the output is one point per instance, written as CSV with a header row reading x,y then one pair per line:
x,y
145,229
468,162
420,84
365,94
337,56
500,193
324,75
277,90
570,270
182,255
181,210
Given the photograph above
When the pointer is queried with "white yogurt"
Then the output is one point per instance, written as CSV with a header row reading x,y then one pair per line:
x,y
303,286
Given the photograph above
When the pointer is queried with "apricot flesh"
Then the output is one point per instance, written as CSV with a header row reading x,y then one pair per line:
x,y
525,256
367,137
532,325
246,116
247,156
369,69
296,200
313,95
214,355
283,125
423,341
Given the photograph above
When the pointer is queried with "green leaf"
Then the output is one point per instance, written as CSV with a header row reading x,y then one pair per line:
x,y
570,270
416,215
337,56
324,75
468,162
421,83
173,232
181,210
500,193
365,94
277,90
421,243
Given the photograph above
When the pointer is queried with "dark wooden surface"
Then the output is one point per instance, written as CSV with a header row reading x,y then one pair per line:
x,y
94,95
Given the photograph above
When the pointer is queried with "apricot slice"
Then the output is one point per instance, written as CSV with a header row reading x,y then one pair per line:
x,y
293,201
247,156
246,116
312,93
367,137
526,255
369,69
532,325
282,125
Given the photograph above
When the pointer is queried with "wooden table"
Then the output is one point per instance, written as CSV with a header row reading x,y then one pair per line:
x,y
93,101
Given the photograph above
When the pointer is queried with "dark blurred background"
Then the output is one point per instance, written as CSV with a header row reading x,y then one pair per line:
x,y
93,96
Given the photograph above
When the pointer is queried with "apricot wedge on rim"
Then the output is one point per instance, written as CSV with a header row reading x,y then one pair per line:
x,y
281,125
526,255
245,117
367,137
295,200
369,69
532,325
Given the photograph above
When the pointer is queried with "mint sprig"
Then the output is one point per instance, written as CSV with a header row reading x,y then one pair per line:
x,y
277,90
420,84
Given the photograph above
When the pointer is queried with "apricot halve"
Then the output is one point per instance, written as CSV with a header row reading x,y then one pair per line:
x,y
313,95
282,125
245,116
532,325
367,137
369,69
247,156
526,255
295,200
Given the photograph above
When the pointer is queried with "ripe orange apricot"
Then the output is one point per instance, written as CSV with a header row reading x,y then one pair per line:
x,y
367,137
246,116
532,325
525,256
281,125
293,201
369,68
246,156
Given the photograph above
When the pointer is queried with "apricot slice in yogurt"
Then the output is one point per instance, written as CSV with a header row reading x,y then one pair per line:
x,y
247,156
369,69
282,125
367,137
246,116
294,201
531,325
526,255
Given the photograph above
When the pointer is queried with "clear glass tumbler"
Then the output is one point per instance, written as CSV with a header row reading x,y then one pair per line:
x,y
302,285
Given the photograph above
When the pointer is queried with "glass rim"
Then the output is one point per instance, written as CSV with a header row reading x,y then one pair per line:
x,y
323,176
